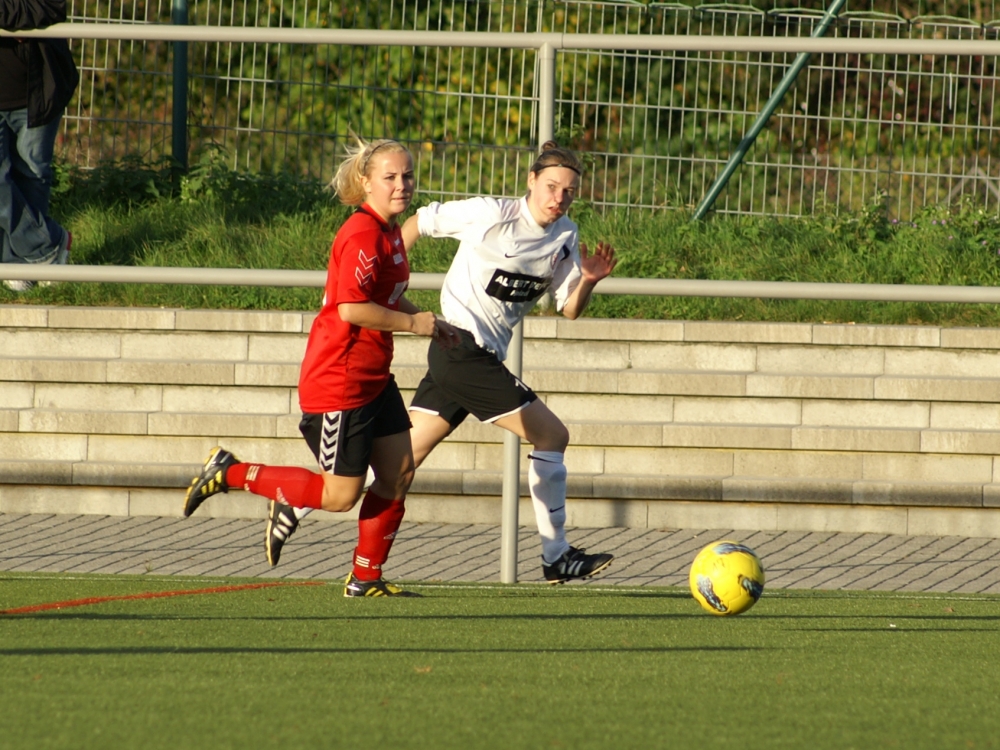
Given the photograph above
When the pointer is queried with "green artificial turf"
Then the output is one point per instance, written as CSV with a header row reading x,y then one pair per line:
x,y
492,667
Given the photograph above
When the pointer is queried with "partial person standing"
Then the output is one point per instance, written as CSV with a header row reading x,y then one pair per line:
x,y
353,414
511,252
37,81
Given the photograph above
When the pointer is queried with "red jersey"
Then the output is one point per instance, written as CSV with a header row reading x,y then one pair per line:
x,y
346,366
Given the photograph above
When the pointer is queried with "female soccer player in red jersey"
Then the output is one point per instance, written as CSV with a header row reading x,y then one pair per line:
x,y
511,251
353,414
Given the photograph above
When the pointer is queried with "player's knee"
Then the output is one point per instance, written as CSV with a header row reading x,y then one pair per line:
x,y
554,438
563,437
405,480
396,486
339,502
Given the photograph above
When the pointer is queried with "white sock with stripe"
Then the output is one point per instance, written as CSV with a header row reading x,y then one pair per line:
x,y
547,482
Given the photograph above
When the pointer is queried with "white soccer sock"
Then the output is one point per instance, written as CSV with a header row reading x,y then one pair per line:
x,y
547,482
301,513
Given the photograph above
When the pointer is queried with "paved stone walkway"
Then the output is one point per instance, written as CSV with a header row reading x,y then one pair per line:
x,y
438,552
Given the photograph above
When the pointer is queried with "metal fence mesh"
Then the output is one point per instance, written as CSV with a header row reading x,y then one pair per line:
x,y
656,128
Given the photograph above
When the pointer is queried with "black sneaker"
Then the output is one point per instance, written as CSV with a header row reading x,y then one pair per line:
x,y
211,481
575,563
281,524
379,587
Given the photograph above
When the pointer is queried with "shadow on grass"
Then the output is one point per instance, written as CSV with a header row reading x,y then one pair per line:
x,y
127,244
880,616
285,651
350,616
886,629
958,620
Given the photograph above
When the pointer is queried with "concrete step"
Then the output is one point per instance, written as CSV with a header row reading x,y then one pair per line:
x,y
542,327
960,431
581,486
456,454
481,509
734,488
975,384
721,357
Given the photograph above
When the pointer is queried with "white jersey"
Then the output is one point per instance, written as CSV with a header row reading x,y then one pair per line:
x,y
505,262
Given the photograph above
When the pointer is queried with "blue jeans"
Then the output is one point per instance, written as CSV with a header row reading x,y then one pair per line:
x,y
27,233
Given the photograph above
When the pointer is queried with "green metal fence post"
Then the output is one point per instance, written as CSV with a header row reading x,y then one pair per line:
x,y
772,104
179,17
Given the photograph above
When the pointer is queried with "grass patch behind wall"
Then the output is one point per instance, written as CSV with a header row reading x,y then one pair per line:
x,y
128,214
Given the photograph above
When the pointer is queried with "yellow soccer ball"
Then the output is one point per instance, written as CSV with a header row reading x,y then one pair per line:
x,y
726,578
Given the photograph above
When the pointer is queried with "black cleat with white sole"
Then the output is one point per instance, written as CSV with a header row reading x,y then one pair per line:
x,y
281,524
379,587
211,481
575,563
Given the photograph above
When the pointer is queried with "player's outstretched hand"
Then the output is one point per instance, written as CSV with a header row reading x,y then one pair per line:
x,y
598,265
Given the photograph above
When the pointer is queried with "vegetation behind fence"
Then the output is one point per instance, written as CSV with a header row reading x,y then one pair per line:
x,y
655,127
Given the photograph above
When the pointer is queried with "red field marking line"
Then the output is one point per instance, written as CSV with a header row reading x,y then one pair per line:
x,y
151,595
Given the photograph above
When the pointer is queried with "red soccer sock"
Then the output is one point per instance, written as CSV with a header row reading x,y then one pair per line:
x,y
292,485
377,526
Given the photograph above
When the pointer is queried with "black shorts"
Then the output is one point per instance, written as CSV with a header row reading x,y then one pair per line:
x,y
469,380
342,440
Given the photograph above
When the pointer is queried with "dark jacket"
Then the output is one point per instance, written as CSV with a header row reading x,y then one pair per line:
x,y
52,74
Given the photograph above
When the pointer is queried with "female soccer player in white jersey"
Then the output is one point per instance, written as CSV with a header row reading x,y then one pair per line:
x,y
511,252
353,414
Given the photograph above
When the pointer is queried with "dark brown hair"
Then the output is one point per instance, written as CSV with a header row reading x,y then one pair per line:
x,y
554,155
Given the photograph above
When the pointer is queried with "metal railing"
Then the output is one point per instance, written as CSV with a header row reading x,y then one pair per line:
x,y
538,40
433,281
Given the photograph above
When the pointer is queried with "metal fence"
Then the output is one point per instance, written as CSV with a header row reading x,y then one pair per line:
x,y
656,127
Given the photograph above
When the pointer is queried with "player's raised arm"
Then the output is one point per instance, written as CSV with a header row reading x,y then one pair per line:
x,y
593,268
510,251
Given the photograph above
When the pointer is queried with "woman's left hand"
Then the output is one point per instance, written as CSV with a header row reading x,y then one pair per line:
x,y
599,265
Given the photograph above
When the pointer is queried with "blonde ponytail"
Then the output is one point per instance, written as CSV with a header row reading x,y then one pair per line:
x,y
347,182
